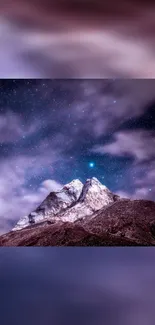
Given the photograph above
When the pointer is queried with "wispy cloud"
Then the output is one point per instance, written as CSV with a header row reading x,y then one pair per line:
x,y
17,194
137,144
13,127
66,124
39,39
16,197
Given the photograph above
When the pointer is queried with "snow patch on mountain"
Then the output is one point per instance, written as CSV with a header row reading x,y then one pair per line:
x,y
22,223
94,196
72,202
55,203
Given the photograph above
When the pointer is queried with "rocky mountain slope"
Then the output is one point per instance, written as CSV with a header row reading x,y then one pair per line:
x,y
53,205
72,202
85,215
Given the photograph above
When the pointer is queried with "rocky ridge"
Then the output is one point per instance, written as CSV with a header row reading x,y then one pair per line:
x,y
85,215
72,202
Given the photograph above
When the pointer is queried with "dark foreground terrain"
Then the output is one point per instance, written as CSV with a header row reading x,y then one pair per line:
x,y
122,223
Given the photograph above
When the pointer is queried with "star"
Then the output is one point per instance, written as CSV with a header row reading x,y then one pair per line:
x,y
91,164
54,130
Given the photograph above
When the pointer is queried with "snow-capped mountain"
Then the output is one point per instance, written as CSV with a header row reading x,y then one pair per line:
x,y
85,215
94,196
55,203
74,201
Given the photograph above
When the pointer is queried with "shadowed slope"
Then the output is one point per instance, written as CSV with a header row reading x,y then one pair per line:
x,y
123,223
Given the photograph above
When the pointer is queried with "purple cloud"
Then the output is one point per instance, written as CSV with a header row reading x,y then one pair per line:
x,y
89,41
137,144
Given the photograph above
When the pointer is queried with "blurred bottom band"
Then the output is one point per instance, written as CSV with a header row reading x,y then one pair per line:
x,y
77,285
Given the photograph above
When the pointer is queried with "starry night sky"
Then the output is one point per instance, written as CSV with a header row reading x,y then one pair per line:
x,y
53,131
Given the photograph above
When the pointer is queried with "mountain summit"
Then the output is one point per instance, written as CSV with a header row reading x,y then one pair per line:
x,y
85,215
74,201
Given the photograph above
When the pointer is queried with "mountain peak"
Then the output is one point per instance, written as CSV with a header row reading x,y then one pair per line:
x,y
122,223
93,197
75,182
94,181
72,201
92,187
73,188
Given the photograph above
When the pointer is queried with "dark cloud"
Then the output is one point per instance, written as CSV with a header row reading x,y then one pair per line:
x,y
65,39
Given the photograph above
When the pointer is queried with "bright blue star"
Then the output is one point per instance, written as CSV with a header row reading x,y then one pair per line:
x,y
91,164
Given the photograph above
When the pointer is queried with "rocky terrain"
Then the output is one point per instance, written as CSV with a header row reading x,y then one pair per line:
x,y
85,215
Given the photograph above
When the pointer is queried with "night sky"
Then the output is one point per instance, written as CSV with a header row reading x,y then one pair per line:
x,y
53,131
